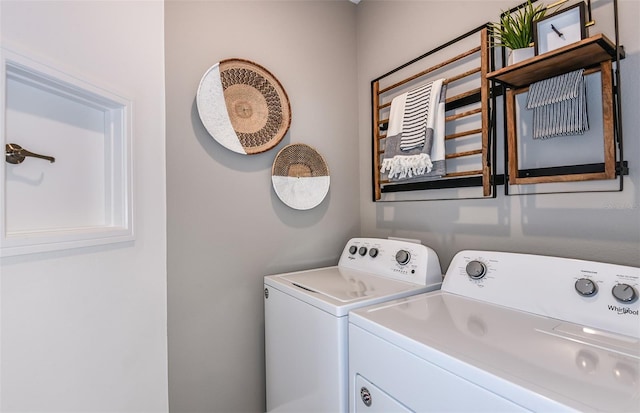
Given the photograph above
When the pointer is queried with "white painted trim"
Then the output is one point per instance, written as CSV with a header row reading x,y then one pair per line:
x,y
118,208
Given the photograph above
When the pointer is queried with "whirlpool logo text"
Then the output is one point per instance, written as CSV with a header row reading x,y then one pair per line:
x,y
623,310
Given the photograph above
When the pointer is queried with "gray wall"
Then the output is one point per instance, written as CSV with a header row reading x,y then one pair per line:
x,y
602,227
226,227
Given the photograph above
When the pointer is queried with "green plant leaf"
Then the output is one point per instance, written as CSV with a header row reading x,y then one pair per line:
x,y
515,30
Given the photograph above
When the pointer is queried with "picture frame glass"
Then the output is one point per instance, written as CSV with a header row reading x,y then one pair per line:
x,y
560,29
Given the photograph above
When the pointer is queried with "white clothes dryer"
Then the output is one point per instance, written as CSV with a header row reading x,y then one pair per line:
x,y
506,333
306,318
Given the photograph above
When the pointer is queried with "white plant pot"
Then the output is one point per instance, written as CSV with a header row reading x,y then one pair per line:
x,y
518,55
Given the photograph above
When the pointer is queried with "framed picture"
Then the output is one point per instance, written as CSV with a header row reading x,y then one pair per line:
x,y
560,29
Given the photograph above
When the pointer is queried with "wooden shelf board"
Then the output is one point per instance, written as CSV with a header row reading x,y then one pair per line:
x,y
585,53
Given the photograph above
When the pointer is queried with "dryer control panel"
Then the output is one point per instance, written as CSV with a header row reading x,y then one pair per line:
x,y
390,258
589,293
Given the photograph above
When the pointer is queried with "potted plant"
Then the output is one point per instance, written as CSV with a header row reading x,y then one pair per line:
x,y
515,30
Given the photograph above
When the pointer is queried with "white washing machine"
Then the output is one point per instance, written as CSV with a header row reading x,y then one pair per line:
x,y
507,332
306,318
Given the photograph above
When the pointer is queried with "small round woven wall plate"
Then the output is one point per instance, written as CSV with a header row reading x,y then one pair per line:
x,y
243,106
300,176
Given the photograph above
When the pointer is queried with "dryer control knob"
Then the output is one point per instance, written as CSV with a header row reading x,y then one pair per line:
x,y
373,252
403,257
624,293
353,249
586,287
476,269
362,251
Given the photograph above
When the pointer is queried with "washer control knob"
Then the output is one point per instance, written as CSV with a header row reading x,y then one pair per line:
x,y
586,287
362,251
403,257
373,252
624,293
353,249
476,269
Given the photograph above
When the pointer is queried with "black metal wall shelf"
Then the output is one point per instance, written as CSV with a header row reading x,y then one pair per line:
x,y
478,94
595,54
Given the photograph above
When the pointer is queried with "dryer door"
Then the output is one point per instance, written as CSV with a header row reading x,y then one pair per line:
x,y
372,399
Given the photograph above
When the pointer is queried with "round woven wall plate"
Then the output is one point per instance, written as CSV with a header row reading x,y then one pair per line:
x,y
243,106
300,176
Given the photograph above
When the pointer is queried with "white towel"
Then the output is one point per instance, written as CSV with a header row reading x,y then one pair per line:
x,y
425,156
559,106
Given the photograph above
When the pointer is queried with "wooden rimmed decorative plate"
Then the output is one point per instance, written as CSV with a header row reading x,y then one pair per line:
x,y
300,176
243,106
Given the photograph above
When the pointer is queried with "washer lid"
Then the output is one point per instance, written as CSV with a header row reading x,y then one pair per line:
x,y
347,285
338,290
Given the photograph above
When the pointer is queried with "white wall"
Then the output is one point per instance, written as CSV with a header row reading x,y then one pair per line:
x,y
595,226
227,228
85,329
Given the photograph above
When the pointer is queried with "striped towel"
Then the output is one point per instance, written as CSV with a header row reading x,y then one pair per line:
x,y
559,106
414,123
426,160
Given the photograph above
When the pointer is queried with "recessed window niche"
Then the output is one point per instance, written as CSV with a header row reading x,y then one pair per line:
x,y
82,195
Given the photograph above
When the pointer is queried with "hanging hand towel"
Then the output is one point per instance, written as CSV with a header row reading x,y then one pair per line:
x,y
414,118
414,146
559,106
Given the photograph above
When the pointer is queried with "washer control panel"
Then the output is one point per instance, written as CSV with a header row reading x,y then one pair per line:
x,y
397,259
590,293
